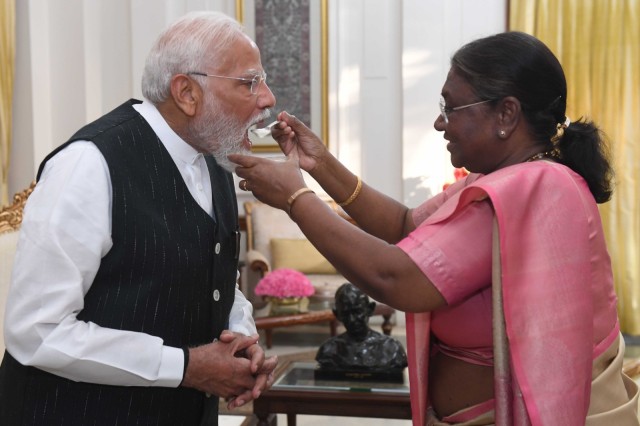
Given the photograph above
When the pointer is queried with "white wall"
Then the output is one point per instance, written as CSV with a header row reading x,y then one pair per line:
x,y
432,31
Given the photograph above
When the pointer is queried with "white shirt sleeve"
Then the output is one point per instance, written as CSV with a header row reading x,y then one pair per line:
x,y
64,235
241,316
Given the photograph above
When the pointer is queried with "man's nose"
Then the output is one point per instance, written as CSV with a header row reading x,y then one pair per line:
x,y
266,98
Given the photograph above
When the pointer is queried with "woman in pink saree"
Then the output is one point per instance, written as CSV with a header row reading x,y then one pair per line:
x,y
505,276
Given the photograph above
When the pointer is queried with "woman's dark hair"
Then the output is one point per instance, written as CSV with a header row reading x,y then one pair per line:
x,y
519,65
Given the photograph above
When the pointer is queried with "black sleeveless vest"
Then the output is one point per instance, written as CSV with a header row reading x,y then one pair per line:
x,y
170,273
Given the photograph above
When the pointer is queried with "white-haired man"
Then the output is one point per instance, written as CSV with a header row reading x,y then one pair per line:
x,y
124,307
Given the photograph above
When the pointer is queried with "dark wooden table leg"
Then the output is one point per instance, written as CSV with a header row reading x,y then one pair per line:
x,y
269,338
291,419
386,324
267,419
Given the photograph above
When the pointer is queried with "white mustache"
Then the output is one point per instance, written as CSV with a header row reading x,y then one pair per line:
x,y
262,116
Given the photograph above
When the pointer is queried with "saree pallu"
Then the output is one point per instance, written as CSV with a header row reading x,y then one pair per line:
x,y
547,220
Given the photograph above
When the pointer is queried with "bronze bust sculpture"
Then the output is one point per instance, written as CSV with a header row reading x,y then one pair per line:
x,y
360,352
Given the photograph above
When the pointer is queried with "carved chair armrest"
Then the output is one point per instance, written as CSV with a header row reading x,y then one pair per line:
x,y
258,262
11,215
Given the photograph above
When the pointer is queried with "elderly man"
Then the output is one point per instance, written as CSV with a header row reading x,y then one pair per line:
x,y
124,307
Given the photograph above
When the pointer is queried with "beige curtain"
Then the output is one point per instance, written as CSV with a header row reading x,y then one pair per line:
x,y
598,44
7,59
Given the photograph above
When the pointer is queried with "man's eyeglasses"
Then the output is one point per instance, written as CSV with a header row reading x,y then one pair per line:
x,y
254,82
445,110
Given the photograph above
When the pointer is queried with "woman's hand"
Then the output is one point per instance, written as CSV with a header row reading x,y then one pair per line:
x,y
293,135
270,181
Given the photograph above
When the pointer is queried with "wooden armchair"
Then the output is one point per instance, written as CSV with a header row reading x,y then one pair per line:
x,y
10,220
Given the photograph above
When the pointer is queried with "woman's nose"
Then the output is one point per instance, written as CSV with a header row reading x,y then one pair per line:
x,y
439,124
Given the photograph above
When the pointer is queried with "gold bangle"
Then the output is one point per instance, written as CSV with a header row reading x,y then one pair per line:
x,y
295,196
355,194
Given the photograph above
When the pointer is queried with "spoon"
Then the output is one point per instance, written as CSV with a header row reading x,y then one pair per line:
x,y
265,131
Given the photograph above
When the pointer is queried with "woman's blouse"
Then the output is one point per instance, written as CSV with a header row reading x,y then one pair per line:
x,y
456,256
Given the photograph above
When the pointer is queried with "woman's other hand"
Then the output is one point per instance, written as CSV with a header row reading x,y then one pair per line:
x,y
270,181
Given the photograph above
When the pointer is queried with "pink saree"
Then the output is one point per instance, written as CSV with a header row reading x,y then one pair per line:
x,y
546,220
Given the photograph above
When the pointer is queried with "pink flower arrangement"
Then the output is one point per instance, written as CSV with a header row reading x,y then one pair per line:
x,y
283,283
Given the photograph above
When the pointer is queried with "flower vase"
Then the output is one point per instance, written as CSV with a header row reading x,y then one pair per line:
x,y
287,305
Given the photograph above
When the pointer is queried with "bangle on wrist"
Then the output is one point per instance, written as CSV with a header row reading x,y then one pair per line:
x,y
295,196
353,196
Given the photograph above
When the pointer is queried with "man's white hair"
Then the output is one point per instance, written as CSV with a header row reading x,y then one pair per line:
x,y
183,47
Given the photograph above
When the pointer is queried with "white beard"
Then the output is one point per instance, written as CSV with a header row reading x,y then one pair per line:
x,y
220,134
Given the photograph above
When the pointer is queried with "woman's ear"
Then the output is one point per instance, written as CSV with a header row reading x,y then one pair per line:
x,y
509,110
186,94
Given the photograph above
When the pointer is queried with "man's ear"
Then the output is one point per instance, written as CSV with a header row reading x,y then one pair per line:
x,y
186,94
509,110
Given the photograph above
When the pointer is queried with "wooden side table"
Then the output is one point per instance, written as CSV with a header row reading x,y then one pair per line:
x,y
269,323
297,392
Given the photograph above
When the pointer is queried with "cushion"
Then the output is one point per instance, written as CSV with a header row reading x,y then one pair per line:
x,y
326,284
269,223
299,254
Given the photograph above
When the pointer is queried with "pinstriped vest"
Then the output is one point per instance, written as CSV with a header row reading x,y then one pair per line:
x,y
169,258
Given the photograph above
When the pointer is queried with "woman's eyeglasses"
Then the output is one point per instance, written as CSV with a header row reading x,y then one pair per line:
x,y
445,110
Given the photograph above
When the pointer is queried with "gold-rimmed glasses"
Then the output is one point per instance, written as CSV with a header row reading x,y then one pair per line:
x,y
254,82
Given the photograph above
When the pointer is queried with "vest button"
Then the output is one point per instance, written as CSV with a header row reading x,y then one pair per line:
x,y
216,295
217,248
